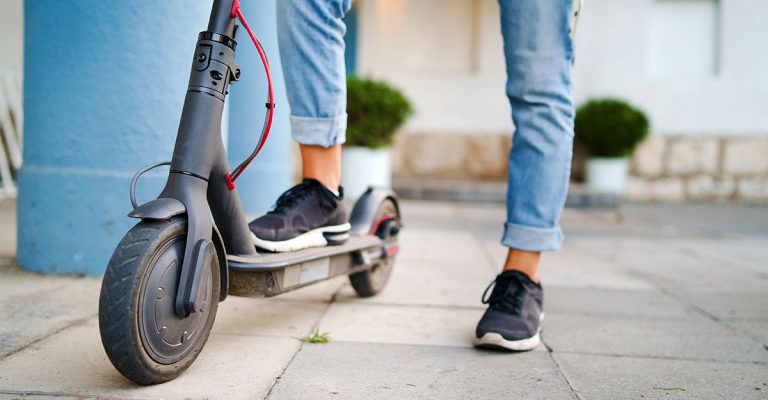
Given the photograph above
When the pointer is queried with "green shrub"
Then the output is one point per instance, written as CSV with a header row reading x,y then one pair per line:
x,y
376,110
610,127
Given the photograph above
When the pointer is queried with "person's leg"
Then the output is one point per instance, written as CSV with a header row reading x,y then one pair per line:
x,y
311,39
539,56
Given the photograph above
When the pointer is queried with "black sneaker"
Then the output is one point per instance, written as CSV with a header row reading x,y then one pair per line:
x,y
513,318
307,215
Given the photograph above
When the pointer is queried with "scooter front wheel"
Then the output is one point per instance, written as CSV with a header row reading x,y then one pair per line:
x,y
142,336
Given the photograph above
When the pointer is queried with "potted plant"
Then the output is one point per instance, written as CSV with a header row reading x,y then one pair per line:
x,y
376,111
610,129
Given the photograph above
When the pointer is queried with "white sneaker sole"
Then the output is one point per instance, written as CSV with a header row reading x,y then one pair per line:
x,y
496,341
492,340
313,238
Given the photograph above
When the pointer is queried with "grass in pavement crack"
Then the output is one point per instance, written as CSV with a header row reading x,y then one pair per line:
x,y
316,337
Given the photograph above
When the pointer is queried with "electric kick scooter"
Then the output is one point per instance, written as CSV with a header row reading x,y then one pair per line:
x,y
193,247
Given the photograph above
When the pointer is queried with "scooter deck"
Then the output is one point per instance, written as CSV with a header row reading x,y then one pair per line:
x,y
270,274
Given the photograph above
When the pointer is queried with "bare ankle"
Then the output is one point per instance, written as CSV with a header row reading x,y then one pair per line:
x,y
322,164
526,262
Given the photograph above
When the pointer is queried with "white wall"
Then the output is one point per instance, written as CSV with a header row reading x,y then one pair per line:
x,y
447,56
613,59
12,35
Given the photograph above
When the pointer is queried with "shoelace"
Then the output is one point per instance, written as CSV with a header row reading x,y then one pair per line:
x,y
506,296
294,195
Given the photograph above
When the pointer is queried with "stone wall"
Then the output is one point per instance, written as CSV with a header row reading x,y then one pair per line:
x,y
685,168
664,168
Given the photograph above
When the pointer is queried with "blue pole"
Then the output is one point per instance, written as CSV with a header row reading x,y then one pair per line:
x,y
270,173
104,83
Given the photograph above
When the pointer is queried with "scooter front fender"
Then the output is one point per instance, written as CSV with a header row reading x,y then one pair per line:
x,y
159,209
166,208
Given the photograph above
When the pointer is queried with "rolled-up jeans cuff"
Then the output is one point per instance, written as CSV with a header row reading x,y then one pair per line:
x,y
325,132
532,239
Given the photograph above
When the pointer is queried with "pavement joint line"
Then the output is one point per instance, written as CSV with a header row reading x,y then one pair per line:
x,y
616,316
450,346
576,393
669,358
25,393
74,323
410,305
714,318
550,352
255,335
314,326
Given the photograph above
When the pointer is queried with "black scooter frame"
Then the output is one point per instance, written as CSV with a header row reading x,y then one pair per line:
x,y
196,186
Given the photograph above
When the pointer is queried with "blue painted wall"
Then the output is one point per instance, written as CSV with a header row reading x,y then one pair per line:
x,y
350,39
270,173
104,86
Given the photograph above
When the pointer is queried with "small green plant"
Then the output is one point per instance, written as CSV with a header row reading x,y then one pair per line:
x,y
316,337
610,127
376,111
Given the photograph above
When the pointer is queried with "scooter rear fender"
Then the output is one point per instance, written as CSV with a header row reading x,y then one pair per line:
x,y
365,209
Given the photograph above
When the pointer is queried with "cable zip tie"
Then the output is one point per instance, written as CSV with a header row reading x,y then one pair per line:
x,y
235,7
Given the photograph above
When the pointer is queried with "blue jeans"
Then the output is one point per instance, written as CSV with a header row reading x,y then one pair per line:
x,y
539,56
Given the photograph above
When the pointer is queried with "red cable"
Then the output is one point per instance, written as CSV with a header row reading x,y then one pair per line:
x,y
271,104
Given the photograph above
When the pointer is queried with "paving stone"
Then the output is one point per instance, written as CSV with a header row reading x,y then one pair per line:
x,y
430,283
73,362
758,329
32,306
355,322
572,267
440,245
611,302
690,338
730,305
268,317
385,371
606,377
703,278
676,268
743,253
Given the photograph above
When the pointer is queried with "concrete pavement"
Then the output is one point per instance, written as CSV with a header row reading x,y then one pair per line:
x,y
654,302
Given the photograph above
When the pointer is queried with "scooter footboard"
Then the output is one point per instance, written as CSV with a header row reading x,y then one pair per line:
x,y
275,273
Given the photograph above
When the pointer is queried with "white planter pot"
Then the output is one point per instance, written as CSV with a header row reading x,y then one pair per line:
x,y
607,175
362,167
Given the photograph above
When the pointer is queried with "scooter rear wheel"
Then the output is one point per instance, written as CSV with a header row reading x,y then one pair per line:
x,y
142,336
386,225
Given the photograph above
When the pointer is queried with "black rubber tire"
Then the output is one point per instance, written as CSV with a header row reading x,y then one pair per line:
x,y
369,283
119,303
